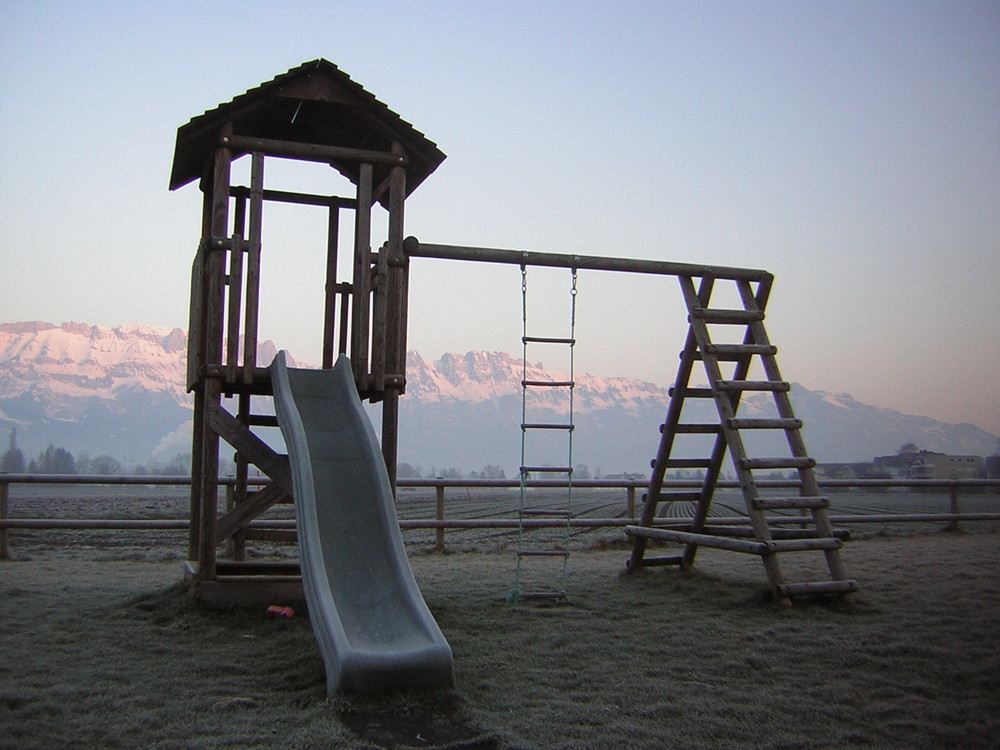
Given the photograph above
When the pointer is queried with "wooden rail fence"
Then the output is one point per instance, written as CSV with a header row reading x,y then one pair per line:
x,y
440,522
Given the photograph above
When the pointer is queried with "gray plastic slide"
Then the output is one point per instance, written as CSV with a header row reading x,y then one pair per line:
x,y
372,624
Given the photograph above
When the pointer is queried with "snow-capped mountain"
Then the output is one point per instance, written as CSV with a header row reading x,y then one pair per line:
x,y
121,391
465,411
115,391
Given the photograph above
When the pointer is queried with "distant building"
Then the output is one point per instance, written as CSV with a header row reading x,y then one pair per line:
x,y
930,465
854,470
940,466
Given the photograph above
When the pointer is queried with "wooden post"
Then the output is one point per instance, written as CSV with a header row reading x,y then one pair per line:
x,y
4,499
240,488
362,278
630,501
234,280
196,359
379,323
330,311
393,339
214,313
439,514
253,266
953,506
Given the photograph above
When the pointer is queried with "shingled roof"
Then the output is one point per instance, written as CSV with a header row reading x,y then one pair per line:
x,y
314,103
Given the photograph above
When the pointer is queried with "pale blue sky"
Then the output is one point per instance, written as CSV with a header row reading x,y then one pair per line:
x,y
851,148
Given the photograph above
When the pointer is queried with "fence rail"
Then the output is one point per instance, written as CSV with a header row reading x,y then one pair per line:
x,y
440,523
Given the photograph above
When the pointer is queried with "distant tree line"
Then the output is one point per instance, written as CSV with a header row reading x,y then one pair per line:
x,y
57,460
50,461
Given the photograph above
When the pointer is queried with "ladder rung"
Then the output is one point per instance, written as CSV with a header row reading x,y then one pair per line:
x,y
692,392
753,385
703,540
542,595
547,383
719,357
739,531
791,503
660,561
719,315
805,545
546,426
737,350
542,553
792,462
740,423
780,534
818,587
546,340
684,463
547,469
695,429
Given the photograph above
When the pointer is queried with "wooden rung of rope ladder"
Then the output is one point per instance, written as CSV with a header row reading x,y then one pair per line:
x,y
814,532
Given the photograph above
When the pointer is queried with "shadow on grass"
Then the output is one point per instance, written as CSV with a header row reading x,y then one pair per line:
x,y
397,719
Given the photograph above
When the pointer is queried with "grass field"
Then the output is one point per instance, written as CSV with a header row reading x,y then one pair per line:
x,y
101,648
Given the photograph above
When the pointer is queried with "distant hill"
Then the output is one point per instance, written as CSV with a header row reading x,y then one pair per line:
x,y
120,391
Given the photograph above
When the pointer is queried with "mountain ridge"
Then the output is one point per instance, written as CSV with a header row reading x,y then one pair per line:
x,y
121,391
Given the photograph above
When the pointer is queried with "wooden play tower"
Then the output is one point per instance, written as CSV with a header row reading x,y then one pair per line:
x,y
312,113
316,113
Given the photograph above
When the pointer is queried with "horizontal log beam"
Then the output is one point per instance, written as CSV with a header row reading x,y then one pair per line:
x,y
302,199
416,249
309,151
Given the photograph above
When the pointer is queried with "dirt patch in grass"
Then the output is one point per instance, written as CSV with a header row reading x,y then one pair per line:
x,y
112,654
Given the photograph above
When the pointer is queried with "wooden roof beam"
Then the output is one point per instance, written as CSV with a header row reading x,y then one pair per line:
x,y
309,151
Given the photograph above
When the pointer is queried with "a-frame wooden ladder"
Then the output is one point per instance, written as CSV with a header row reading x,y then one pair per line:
x,y
813,532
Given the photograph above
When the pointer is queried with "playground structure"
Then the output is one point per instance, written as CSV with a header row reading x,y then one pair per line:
x,y
316,113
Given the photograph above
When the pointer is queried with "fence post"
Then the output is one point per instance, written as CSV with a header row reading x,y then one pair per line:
x,y
631,501
953,506
4,495
439,532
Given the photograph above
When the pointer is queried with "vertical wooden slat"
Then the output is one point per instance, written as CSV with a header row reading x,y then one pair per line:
x,y
362,278
253,266
379,323
197,453
235,283
240,488
195,353
234,305
330,310
404,301
395,298
345,317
